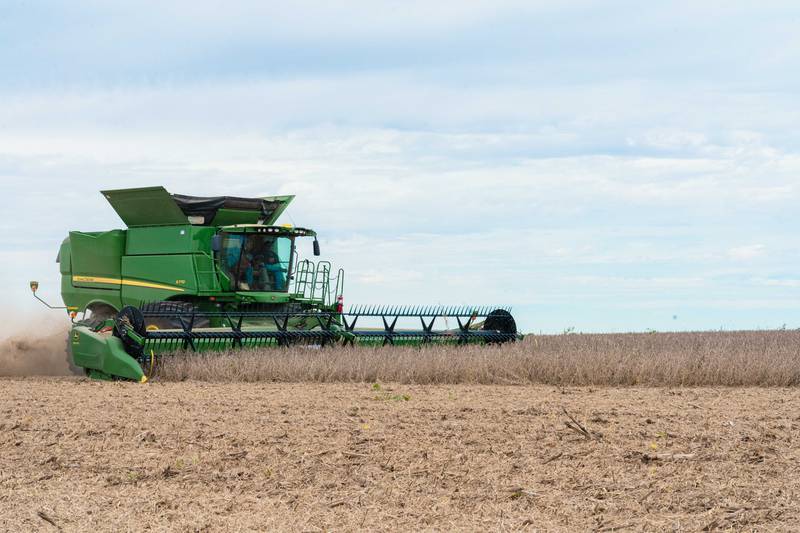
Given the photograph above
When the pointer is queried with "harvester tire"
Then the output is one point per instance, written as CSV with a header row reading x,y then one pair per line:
x,y
178,308
501,321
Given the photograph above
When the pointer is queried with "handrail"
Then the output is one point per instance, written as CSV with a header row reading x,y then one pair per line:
x,y
305,268
313,281
323,271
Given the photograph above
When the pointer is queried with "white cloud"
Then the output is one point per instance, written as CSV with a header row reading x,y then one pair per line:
x,y
788,283
672,139
747,252
514,152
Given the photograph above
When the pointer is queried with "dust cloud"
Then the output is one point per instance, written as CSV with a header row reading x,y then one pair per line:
x,y
34,345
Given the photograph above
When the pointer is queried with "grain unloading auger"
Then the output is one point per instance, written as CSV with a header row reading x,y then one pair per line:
x,y
216,274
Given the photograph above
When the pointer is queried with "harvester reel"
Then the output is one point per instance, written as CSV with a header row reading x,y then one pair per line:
x,y
500,321
498,327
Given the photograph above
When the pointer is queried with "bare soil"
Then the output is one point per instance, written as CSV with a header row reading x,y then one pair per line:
x,y
195,456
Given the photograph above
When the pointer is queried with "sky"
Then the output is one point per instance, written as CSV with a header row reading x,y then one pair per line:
x,y
597,166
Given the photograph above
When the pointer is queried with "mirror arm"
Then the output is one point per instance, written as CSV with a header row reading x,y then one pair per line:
x,y
34,288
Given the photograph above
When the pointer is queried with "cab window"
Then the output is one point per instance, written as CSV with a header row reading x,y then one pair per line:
x,y
257,262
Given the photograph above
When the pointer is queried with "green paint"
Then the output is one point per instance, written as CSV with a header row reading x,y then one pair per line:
x,y
102,353
147,206
96,254
162,256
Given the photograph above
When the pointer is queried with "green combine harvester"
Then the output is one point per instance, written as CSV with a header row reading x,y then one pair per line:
x,y
214,274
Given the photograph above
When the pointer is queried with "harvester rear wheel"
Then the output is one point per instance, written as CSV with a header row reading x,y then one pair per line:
x,y
183,309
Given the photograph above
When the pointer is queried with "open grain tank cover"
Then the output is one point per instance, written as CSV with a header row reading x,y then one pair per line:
x,y
155,206
230,210
147,206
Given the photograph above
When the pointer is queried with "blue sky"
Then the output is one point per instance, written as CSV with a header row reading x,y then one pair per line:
x,y
607,166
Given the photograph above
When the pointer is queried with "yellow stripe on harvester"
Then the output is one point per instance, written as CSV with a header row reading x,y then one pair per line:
x,y
128,282
134,283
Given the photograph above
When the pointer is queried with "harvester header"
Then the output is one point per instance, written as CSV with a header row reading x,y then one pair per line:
x,y
217,273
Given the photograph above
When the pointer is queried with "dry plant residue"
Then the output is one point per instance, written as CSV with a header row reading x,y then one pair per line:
x,y
743,358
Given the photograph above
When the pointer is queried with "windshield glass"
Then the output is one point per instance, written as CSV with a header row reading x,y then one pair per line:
x,y
256,262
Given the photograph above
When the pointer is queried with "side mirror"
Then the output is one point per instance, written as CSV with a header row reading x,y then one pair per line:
x,y
316,246
216,243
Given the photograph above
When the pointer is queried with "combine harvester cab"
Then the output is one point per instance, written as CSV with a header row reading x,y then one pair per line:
x,y
213,274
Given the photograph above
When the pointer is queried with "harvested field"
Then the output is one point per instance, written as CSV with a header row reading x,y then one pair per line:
x,y
193,456
740,358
